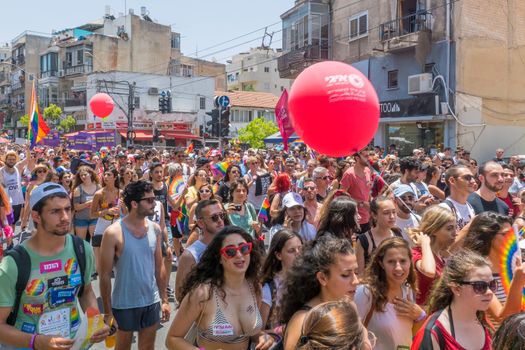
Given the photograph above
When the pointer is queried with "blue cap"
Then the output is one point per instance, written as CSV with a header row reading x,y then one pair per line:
x,y
402,189
43,191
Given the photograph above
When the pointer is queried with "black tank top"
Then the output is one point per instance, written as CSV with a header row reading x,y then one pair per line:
x,y
162,196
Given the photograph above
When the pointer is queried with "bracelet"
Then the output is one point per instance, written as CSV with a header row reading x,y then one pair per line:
x,y
422,316
32,341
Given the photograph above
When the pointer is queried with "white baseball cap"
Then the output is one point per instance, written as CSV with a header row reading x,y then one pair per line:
x,y
292,199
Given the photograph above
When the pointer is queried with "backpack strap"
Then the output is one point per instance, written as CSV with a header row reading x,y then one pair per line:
x,y
23,263
368,316
80,253
426,343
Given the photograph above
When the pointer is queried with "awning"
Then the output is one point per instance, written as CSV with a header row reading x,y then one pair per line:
x,y
277,138
140,135
179,135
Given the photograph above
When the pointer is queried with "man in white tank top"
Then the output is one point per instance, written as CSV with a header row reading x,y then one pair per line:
x,y
12,180
210,219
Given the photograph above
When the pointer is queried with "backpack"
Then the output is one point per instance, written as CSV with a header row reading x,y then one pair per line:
x,y
23,262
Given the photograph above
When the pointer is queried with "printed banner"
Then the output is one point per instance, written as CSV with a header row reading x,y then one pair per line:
x,y
52,139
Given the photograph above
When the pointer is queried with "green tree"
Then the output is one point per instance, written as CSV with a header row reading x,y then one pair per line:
x,y
256,131
52,113
24,119
67,124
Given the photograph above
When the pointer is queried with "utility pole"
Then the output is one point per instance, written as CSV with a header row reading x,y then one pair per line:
x,y
131,108
220,126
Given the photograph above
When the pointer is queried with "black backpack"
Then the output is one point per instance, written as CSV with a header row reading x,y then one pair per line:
x,y
23,262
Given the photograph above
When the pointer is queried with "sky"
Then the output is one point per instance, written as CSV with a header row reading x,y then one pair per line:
x,y
203,24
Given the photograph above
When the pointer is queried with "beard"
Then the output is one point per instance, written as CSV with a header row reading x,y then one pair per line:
x,y
494,188
57,231
145,212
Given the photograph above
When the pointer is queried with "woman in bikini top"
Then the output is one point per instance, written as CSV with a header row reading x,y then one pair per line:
x,y
221,297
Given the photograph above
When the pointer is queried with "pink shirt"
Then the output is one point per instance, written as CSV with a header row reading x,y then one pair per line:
x,y
359,190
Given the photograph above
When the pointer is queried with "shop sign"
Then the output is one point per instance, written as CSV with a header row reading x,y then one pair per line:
x,y
421,105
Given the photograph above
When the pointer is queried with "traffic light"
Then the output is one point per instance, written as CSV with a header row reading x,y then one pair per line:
x,y
168,101
213,125
156,135
225,122
163,102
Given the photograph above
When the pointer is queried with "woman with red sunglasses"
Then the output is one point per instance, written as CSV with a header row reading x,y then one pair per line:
x,y
221,298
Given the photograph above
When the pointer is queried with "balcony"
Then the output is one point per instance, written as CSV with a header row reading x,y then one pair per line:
x,y
76,102
48,74
80,69
404,33
294,62
18,60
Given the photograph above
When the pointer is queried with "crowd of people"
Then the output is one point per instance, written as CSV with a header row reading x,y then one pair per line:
x,y
272,249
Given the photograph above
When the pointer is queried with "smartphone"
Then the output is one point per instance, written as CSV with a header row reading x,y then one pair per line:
x,y
237,207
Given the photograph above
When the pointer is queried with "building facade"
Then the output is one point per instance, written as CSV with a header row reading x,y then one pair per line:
x,y
447,73
256,71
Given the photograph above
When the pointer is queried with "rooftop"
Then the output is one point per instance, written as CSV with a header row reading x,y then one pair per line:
x,y
250,99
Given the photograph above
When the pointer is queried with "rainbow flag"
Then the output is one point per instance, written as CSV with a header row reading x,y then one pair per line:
x,y
189,149
37,127
215,188
176,186
264,212
183,220
220,168
510,251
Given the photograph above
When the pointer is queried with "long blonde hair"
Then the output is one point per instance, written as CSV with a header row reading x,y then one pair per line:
x,y
434,218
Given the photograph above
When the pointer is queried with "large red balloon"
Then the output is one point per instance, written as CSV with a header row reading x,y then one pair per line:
x,y
334,108
101,105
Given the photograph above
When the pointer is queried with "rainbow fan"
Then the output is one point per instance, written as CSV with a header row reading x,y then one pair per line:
x,y
176,186
510,251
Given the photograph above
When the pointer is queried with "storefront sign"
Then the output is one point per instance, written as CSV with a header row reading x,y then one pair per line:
x,y
422,105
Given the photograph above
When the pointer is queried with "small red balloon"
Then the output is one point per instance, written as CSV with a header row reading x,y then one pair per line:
x,y
101,105
334,108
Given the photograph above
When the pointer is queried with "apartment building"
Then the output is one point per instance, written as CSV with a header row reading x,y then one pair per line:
x,y
447,73
256,71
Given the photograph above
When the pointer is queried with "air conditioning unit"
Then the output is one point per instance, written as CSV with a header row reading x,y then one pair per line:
x,y
420,84
153,91
60,73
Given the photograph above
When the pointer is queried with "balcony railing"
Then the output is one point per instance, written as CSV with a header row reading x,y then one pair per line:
x,y
48,74
74,102
293,62
405,25
80,69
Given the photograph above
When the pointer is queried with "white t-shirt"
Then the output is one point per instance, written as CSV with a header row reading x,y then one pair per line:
x,y
307,231
406,224
390,329
464,212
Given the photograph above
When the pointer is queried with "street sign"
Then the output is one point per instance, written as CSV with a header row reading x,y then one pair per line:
x,y
224,101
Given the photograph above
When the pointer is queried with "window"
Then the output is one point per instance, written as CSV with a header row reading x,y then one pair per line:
x,y
80,57
175,40
69,59
266,69
358,26
392,79
429,68
202,103
187,71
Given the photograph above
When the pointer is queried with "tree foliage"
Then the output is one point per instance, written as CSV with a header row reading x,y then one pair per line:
x,y
256,131
24,120
67,124
52,113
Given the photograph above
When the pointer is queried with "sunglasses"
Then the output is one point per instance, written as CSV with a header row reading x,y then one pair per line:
x,y
309,188
235,172
204,191
41,171
230,251
150,200
467,177
480,287
217,217
326,178
407,198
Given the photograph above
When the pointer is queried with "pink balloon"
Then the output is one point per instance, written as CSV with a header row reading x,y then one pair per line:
x,y
334,108
101,105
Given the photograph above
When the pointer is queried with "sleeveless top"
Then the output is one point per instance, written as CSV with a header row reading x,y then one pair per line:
x,y
196,250
135,284
363,240
106,205
162,196
221,330
13,185
84,197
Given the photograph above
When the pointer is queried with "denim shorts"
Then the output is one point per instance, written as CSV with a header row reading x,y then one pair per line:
x,y
134,320
85,223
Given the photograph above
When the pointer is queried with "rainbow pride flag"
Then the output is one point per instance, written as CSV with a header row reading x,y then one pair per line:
x,y
183,220
189,149
264,212
176,186
220,168
37,128
510,251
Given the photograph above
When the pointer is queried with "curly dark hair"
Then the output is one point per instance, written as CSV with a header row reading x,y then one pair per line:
x,y
339,218
511,333
483,228
209,269
301,283
135,190
375,276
